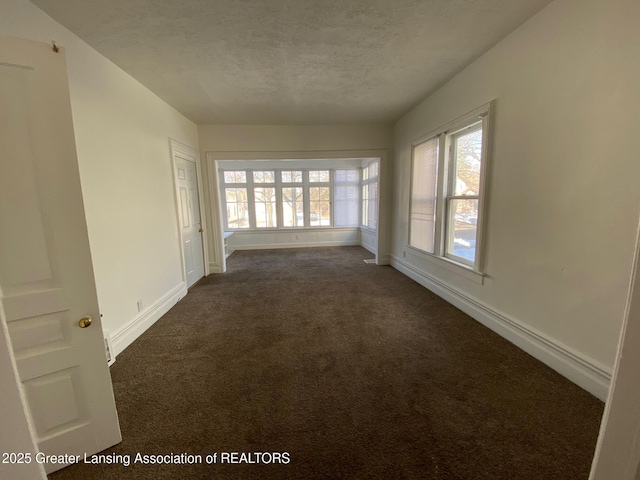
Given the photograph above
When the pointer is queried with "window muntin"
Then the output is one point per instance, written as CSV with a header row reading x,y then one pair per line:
x,y
447,186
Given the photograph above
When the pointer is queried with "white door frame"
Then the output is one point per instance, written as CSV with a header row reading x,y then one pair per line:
x,y
188,153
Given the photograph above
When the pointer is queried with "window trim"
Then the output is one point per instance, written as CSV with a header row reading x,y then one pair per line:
x,y
366,183
444,185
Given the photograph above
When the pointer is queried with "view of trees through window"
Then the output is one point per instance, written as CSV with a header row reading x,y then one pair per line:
x,y
465,190
256,199
446,189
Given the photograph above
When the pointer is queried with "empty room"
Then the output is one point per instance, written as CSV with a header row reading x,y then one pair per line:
x,y
303,239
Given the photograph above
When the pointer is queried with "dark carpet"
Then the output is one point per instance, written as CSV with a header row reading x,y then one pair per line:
x,y
353,370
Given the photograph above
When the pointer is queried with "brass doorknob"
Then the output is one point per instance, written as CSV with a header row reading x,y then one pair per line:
x,y
84,322
201,230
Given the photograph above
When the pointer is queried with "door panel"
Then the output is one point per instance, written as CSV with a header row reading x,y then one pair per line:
x,y
190,221
46,276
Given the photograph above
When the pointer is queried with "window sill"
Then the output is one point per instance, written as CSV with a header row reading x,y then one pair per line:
x,y
451,265
290,229
368,229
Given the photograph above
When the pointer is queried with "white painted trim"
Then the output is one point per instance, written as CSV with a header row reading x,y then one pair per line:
x,y
128,333
215,268
448,264
384,260
577,367
275,246
294,155
299,230
217,232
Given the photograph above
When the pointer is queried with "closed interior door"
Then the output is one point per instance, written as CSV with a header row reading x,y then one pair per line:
x,y
189,218
47,288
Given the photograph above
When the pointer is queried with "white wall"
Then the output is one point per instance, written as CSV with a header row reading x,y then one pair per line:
x,y
233,142
122,136
293,138
294,238
563,181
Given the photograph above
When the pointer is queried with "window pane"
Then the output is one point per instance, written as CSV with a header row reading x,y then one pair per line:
x,y
237,207
235,177
346,176
291,176
345,198
265,207
365,204
319,176
468,157
292,207
463,228
264,177
372,216
320,206
423,195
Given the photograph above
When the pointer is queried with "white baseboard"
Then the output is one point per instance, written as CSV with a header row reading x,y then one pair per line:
x,y
575,366
273,246
126,335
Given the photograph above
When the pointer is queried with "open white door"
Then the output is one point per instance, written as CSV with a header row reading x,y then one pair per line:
x,y
46,276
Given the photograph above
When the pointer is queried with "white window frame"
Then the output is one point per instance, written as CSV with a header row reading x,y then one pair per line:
x,y
248,186
278,185
357,183
310,185
446,184
365,183
252,198
303,184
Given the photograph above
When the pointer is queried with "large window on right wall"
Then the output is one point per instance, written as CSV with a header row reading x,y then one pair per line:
x,y
447,190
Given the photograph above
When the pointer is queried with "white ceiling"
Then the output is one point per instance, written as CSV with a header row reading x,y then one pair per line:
x,y
292,61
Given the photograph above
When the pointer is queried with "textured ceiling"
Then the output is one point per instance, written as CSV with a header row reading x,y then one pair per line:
x,y
292,61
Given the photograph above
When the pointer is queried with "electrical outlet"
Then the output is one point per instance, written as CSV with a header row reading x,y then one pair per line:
x,y
140,306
